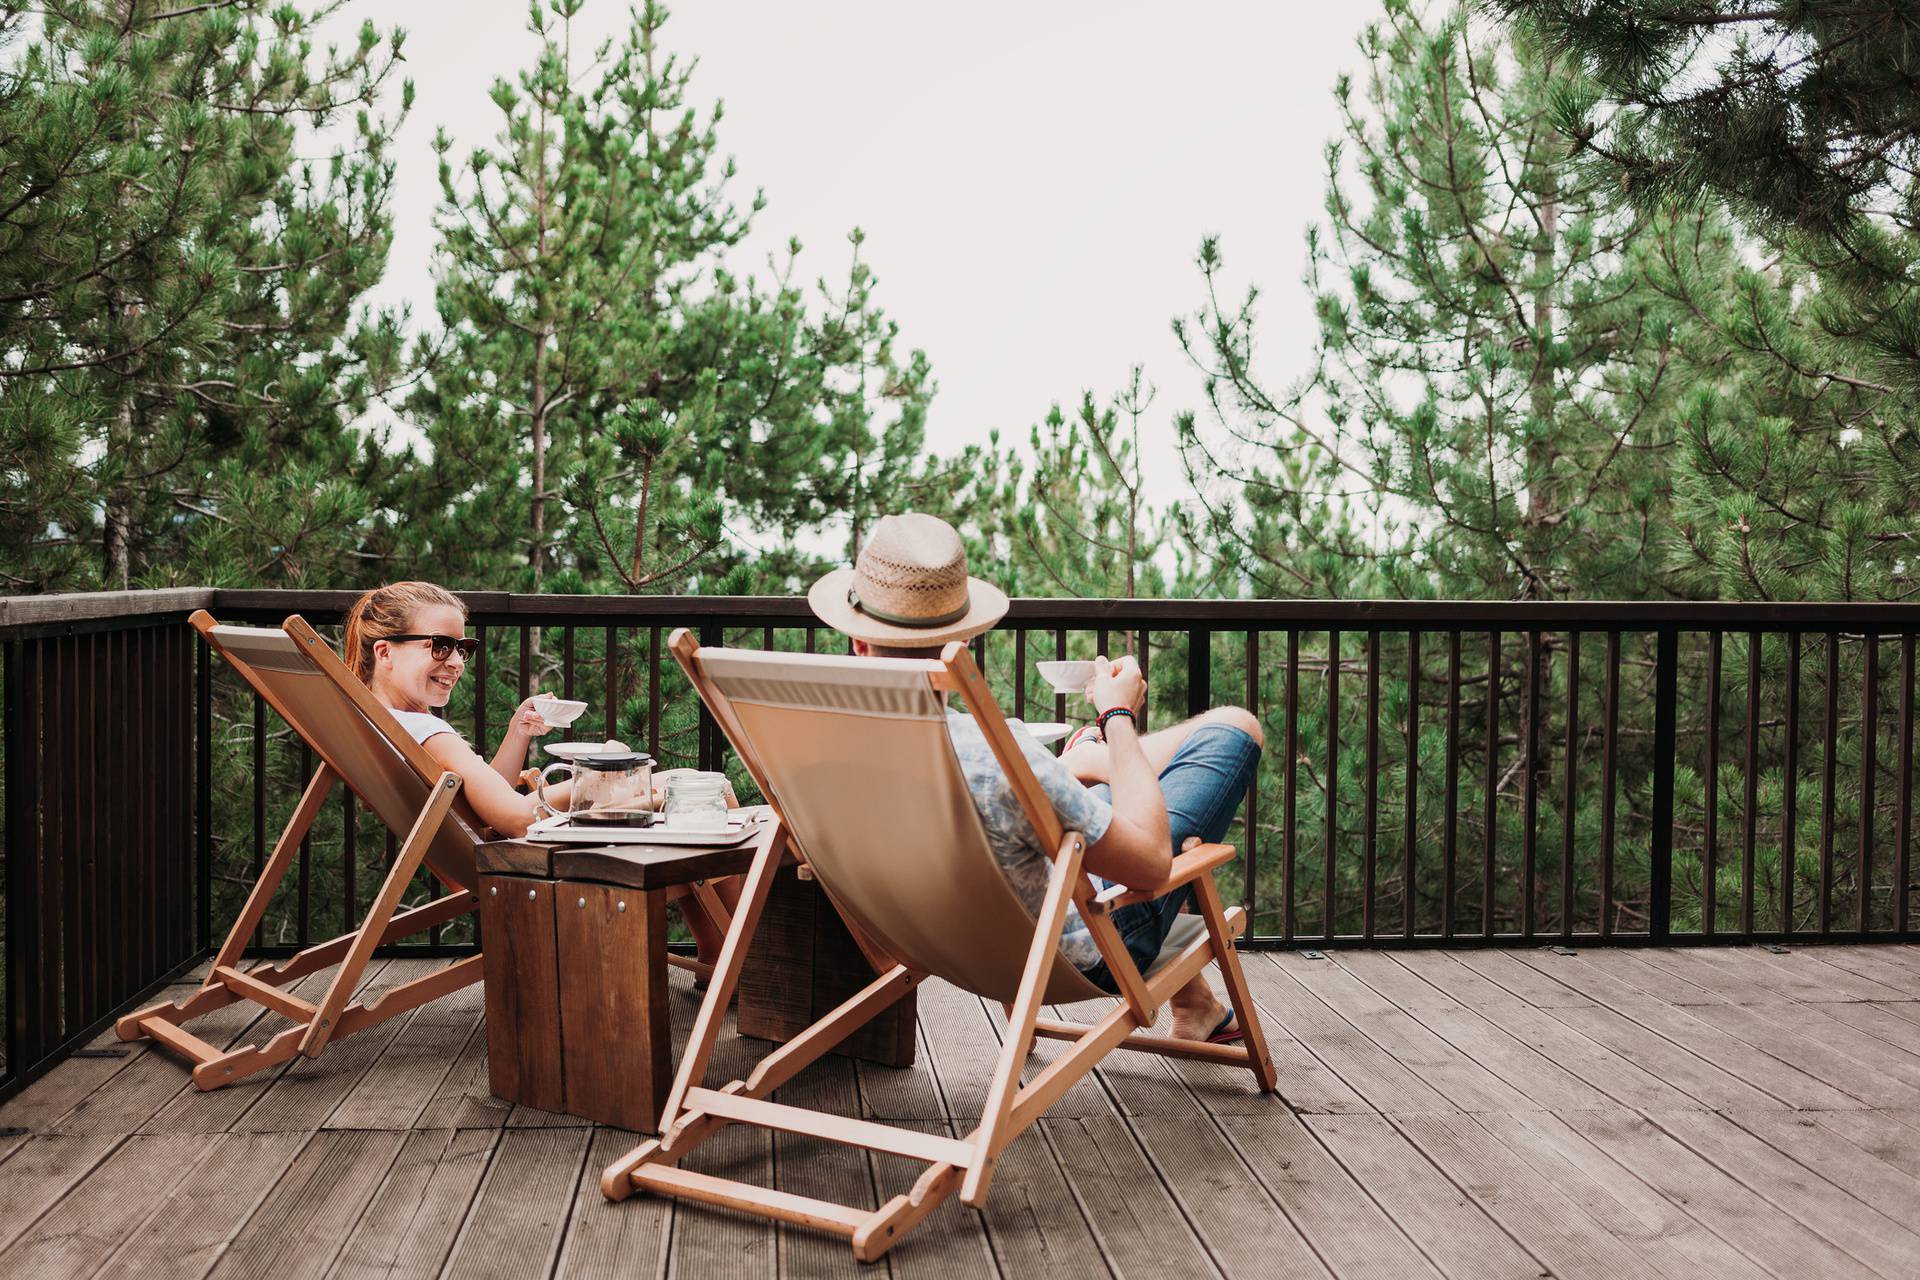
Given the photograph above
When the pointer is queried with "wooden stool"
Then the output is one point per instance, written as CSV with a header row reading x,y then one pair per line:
x,y
802,965
575,945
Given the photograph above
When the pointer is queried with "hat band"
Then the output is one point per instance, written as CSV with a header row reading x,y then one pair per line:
x,y
898,620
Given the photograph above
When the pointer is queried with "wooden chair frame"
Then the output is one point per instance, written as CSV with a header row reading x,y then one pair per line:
x,y
694,1113
317,1025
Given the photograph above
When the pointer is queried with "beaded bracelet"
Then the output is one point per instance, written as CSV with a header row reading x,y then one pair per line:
x,y
1109,714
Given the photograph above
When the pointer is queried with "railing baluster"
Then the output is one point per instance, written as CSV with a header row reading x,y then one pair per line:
x,y
306,851
526,661
1333,782
1199,671
1666,698
1289,787
566,664
1903,817
1790,783
1570,801
1869,732
611,660
479,690
349,853
1828,776
1710,876
259,798
653,691
1493,783
1060,654
1609,762
710,635
1529,785
1450,835
1020,672
1750,801
1371,822
1412,807
1249,863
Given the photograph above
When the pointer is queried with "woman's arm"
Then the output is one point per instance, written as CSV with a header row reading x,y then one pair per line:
x,y
492,796
511,759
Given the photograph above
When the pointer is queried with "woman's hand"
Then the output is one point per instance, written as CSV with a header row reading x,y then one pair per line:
x,y
527,720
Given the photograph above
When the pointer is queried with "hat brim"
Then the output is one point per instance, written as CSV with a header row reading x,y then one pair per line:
x,y
986,605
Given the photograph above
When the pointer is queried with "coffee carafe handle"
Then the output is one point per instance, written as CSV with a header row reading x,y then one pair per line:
x,y
540,786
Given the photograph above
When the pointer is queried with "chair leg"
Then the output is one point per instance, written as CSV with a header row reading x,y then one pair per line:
x,y
213,993
1259,1060
991,1135
374,924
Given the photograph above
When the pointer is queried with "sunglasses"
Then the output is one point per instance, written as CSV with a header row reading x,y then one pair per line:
x,y
440,647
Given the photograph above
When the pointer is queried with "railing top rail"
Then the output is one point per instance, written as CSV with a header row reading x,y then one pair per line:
x,y
501,607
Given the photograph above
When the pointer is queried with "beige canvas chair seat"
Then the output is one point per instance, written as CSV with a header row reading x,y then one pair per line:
x,y
855,756
359,743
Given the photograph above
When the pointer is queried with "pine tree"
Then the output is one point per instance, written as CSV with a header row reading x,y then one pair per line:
x,y
612,396
180,291
1496,385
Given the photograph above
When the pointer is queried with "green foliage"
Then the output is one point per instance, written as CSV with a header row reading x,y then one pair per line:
x,y
180,288
612,396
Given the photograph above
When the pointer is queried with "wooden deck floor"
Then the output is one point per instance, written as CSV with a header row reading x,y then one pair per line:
x,y
1492,1113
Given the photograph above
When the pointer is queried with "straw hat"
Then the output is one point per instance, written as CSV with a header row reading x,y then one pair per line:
x,y
909,588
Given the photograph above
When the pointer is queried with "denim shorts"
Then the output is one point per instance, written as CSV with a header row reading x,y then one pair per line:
x,y
1203,784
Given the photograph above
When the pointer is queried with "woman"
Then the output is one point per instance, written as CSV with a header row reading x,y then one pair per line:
x,y
407,642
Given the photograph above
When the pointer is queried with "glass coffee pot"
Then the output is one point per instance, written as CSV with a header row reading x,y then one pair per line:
x,y
612,786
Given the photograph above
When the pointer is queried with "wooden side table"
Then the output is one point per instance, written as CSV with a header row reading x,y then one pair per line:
x,y
575,945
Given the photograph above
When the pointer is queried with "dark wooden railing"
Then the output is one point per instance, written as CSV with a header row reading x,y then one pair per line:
x,y
1435,772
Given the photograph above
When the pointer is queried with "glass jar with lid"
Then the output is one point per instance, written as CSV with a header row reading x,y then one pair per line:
x,y
697,801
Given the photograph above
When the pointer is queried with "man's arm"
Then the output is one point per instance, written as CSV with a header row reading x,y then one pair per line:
x,y
1137,849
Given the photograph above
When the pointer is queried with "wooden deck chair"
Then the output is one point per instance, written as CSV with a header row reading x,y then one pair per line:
x,y
359,743
855,757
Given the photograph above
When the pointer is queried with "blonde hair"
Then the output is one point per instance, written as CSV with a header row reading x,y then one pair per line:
x,y
388,611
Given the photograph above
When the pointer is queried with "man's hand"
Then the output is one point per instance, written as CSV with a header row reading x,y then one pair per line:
x,y
1117,684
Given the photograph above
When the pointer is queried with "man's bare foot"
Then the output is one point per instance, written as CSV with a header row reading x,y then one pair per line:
x,y
1197,1020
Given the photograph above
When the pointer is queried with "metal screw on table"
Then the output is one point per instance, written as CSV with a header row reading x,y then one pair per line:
x,y
494,890
581,903
620,906
530,894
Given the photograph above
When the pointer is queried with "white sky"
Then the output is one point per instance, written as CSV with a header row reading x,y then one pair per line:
x,y
1034,179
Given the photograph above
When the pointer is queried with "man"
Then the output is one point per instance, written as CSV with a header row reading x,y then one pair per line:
x,y
1135,797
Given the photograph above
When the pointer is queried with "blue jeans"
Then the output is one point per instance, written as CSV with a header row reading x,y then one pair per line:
x,y
1203,785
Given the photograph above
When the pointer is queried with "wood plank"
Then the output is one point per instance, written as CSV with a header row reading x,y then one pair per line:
x,y
1616,1075
1542,990
1850,1060
1453,1074
1443,1221
298,1229
1658,983
1633,1213
1878,1020
1361,1065
1862,1232
463,1099
1686,1071
520,1212
43,1170
1774,1241
1139,1228
1875,961
1788,1084
1547,1223
105,1208
1346,1227
709,1241
1728,984
1870,1131
191,1111
306,1093
1802,975
396,1090
1443,971
822,1170
1811,1142
410,1225
186,1233
607,1241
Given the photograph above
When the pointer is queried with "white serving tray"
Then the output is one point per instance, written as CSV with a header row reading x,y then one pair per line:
x,y
558,830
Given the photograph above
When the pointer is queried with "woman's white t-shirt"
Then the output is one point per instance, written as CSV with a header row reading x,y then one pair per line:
x,y
421,724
